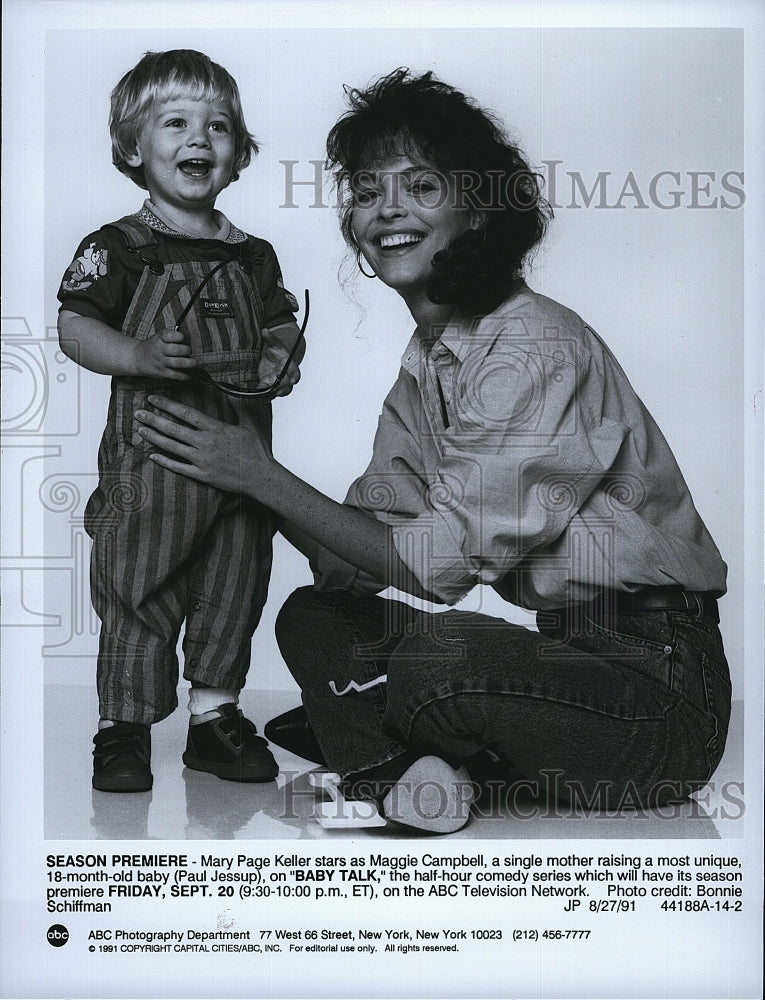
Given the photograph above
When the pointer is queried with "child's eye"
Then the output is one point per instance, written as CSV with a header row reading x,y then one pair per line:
x,y
218,127
175,123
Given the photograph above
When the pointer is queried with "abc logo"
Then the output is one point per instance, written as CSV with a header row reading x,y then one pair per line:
x,y
58,935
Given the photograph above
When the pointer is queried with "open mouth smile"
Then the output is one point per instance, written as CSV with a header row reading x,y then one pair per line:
x,y
195,168
395,240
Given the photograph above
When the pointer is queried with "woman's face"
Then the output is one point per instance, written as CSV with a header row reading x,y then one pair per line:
x,y
405,211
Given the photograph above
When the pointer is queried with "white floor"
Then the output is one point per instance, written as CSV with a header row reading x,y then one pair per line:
x,y
190,805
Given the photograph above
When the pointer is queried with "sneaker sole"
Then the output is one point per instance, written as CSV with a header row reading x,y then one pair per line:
x,y
122,783
430,796
231,772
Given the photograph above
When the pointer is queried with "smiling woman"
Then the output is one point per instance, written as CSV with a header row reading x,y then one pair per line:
x,y
403,214
511,451
447,166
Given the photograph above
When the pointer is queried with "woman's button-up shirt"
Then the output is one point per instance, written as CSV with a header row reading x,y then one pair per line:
x,y
514,452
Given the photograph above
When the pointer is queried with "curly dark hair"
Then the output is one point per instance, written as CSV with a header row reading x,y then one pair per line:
x,y
400,114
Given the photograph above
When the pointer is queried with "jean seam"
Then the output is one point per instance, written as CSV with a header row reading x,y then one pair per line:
x,y
354,771
422,704
625,638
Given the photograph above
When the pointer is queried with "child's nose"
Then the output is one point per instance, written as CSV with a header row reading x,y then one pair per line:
x,y
198,136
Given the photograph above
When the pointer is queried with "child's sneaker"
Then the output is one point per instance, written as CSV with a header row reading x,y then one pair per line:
x,y
122,758
229,747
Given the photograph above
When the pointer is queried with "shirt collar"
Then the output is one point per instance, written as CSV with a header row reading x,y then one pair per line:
x,y
462,333
227,232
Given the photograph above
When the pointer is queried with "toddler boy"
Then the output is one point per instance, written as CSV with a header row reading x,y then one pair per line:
x,y
150,300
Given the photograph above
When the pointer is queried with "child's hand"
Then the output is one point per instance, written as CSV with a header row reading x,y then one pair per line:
x,y
272,360
165,355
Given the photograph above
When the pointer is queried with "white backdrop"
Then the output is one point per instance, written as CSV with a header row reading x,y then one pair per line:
x,y
675,291
663,285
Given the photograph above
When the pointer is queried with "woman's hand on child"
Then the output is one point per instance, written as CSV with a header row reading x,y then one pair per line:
x,y
229,456
165,355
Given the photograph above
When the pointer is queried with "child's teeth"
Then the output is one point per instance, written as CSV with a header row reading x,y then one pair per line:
x,y
195,166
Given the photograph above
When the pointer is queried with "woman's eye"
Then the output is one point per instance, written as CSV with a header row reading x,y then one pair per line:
x,y
424,187
364,198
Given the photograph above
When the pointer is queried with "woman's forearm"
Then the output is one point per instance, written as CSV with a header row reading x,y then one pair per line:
x,y
308,546
313,520
237,458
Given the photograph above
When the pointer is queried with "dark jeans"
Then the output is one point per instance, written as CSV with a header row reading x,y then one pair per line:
x,y
593,706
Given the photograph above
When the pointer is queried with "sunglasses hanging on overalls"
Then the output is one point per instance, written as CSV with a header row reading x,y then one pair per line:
x,y
230,388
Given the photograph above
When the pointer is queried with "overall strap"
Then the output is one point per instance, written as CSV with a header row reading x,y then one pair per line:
x,y
140,240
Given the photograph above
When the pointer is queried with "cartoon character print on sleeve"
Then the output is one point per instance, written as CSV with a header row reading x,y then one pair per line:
x,y
85,269
292,302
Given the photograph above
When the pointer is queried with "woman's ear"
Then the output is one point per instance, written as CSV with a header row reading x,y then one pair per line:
x,y
477,219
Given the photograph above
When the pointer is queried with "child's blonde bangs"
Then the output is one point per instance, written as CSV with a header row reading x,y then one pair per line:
x,y
161,77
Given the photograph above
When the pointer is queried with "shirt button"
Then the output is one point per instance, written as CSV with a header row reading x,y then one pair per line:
x,y
667,649
448,397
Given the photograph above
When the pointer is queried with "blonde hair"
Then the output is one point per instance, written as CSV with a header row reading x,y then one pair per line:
x,y
162,76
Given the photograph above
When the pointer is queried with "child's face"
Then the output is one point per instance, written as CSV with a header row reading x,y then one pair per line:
x,y
186,148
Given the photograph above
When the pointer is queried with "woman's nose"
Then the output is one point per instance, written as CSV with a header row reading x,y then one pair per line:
x,y
391,205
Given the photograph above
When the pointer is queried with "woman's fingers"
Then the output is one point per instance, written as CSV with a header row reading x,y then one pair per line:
x,y
183,468
169,429
170,440
201,447
190,416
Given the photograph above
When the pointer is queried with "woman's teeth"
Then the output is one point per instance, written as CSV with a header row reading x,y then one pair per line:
x,y
399,239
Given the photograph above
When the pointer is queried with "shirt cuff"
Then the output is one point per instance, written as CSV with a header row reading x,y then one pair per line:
x,y
434,557
332,574
83,308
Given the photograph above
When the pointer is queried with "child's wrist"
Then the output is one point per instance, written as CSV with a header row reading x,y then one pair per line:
x,y
134,358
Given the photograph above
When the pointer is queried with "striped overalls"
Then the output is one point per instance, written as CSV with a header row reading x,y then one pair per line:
x,y
167,549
